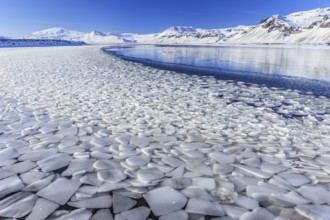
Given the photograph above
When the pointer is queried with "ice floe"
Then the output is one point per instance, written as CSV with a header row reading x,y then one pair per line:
x,y
59,191
42,209
103,138
165,200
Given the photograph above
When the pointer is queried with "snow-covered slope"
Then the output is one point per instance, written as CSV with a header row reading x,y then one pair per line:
x,y
56,33
97,37
189,35
307,27
301,27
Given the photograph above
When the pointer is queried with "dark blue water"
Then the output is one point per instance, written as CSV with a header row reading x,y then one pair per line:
x,y
294,68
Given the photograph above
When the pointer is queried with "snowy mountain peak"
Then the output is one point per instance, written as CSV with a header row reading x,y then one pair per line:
x,y
177,30
55,33
97,33
306,19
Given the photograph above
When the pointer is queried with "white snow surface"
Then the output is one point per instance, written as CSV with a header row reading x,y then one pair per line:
x,y
37,43
306,27
101,110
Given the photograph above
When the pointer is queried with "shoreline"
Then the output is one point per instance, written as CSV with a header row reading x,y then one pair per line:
x,y
317,87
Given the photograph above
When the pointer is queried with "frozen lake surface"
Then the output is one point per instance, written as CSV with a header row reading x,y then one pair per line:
x,y
296,68
87,135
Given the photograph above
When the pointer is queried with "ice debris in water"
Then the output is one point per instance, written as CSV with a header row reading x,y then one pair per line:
x,y
103,138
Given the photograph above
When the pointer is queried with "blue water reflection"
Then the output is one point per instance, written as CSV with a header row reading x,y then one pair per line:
x,y
295,68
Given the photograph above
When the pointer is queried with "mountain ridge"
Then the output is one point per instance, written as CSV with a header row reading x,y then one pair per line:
x,y
305,27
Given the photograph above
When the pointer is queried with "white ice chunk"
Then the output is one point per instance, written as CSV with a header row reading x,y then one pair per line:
x,y
91,179
316,194
79,165
317,212
78,214
54,162
39,184
137,161
8,153
206,183
42,209
177,182
140,141
122,203
149,174
222,168
32,176
10,185
5,174
101,142
258,213
177,172
6,138
254,171
7,162
102,214
198,193
17,205
204,207
198,167
290,199
96,202
164,138
178,215
272,168
105,165
68,131
295,179
174,162
60,191
123,139
52,139
113,176
20,167
225,195
193,146
234,211
253,162
221,157
246,202
165,200
140,213
109,186
37,154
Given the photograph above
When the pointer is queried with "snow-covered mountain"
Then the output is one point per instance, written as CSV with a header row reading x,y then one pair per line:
x,y
302,27
58,33
205,36
307,27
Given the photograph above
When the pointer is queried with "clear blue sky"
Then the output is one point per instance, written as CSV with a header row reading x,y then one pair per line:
x,y
21,17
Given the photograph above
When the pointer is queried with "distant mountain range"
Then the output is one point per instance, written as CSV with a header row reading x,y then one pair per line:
x,y
307,27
